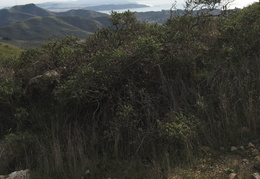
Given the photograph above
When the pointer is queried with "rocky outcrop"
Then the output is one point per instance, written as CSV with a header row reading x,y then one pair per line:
x,y
22,174
256,176
42,83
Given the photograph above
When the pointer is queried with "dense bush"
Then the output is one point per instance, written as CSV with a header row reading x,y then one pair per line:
x,y
134,97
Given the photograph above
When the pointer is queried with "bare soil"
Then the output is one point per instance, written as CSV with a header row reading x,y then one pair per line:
x,y
234,162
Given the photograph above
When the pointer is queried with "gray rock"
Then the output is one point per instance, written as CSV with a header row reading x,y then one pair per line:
x,y
251,145
42,82
255,152
222,148
232,149
242,148
245,161
22,174
256,176
232,175
206,149
257,158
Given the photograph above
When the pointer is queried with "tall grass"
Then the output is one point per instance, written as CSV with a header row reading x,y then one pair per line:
x,y
132,101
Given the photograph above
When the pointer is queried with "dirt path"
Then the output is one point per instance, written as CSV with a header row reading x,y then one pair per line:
x,y
236,162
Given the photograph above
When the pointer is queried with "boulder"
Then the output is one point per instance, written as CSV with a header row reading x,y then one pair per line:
x,y
256,176
241,147
245,161
251,145
22,174
255,152
257,158
222,149
42,83
233,148
232,176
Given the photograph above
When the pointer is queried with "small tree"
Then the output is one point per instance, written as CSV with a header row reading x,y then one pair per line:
x,y
205,6
122,20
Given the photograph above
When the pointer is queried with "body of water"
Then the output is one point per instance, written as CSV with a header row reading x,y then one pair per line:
x,y
146,9
155,5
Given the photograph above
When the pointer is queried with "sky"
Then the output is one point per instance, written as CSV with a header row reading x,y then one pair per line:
x,y
8,3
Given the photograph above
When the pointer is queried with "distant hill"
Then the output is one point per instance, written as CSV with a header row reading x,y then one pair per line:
x,y
41,28
31,9
9,51
18,13
102,1
29,22
82,13
161,17
90,5
32,23
89,25
115,7
154,17
8,17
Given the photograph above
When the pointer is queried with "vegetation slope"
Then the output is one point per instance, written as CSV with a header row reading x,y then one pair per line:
x,y
31,23
18,13
8,51
38,28
133,100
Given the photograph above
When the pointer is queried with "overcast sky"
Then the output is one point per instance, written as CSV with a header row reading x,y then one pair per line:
x,y
4,3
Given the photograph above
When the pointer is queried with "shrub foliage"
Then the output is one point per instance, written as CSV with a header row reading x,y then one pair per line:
x,y
133,97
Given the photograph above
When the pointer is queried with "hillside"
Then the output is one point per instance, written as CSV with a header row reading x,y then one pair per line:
x,y
31,23
41,28
156,17
8,56
96,5
161,17
8,17
31,9
18,13
8,51
115,7
137,100
81,13
23,12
